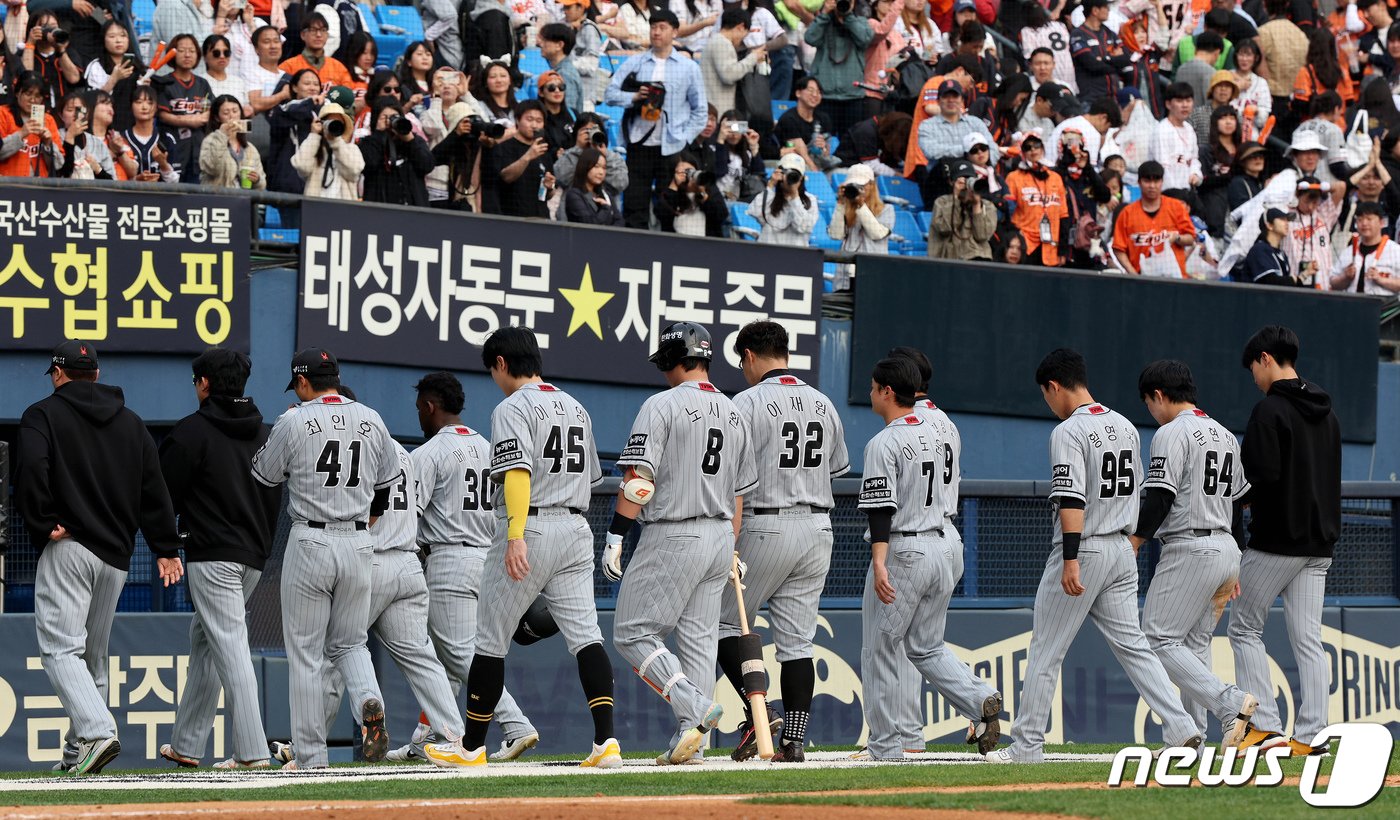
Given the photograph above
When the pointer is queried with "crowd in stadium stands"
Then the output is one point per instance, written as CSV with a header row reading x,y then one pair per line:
x,y
1257,141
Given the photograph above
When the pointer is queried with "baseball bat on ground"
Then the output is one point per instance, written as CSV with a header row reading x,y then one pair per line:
x,y
755,675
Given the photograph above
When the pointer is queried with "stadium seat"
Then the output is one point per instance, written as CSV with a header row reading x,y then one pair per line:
x,y
532,62
820,239
143,12
404,17
609,112
781,107
371,21
1131,194
820,187
909,236
902,192
289,235
745,226
272,218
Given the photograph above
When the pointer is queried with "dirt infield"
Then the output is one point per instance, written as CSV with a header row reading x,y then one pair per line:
x,y
708,807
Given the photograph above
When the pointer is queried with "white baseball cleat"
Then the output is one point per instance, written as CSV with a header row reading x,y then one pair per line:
x,y
1236,727
513,749
999,756
233,763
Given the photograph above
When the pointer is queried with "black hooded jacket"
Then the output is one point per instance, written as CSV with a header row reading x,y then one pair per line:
x,y
88,463
207,460
1292,456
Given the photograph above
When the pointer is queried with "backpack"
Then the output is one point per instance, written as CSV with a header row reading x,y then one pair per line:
x,y
913,74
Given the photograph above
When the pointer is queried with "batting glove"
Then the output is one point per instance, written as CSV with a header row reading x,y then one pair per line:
x,y
612,557
743,569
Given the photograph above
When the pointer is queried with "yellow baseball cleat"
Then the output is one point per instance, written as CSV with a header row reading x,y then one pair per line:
x,y
606,756
1255,736
451,755
1297,748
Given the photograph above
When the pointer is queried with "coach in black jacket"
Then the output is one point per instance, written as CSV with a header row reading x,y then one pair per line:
x,y
88,477
1292,458
229,520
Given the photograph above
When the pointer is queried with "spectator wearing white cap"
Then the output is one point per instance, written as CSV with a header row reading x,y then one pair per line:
x,y
978,152
786,212
861,222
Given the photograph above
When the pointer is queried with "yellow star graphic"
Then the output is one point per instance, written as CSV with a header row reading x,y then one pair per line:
x,y
586,303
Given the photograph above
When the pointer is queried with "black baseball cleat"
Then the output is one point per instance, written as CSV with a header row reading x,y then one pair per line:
x,y
986,733
790,752
748,740
376,737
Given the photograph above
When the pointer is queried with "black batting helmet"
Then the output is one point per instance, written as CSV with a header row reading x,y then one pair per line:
x,y
678,341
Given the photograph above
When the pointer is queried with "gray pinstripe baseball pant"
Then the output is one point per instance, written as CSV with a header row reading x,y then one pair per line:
x,y
75,600
1179,617
454,586
1302,581
325,616
220,660
924,571
673,586
1108,572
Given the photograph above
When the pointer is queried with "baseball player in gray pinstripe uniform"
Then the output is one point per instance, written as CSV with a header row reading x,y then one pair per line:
x,y
398,610
87,476
338,462
914,566
686,464
229,519
456,527
1293,451
1091,571
892,686
1194,487
799,445
544,461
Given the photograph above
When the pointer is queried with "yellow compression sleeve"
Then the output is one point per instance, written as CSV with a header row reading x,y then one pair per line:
x,y
517,501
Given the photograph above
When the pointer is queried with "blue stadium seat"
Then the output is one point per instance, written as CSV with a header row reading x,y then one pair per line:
x,y
745,226
371,21
143,11
288,235
909,236
1131,194
820,187
532,62
404,17
902,192
610,112
781,107
819,238
272,218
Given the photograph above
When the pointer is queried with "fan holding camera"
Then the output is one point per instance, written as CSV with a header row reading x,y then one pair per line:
x,y
785,210
861,222
840,34
328,162
666,110
738,163
515,174
30,145
46,53
589,133
691,205
962,224
396,159
227,159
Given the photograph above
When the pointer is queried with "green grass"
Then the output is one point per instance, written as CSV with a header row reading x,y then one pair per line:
x,y
764,781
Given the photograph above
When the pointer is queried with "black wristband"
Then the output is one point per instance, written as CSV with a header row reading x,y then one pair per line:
x,y
1071,546
621,524
380,504
880,522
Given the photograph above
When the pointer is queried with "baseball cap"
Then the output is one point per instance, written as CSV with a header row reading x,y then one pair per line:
x,y
964,5
961,168
1152,169
73,355
341,96
1049,91
1305,141
1126,93
949,87
973,140
1247,150
1275,213
665,15
1370,209
313,361
859,175
792,162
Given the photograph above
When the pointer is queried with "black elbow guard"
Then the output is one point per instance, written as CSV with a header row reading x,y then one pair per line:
x,y
380,504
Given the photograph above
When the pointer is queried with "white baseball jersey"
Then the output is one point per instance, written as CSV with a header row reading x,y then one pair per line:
x,y
453,469
695,442
1180,22
334,453
904,469
1054,36
1198,460
951,441
1385,260
542,429
397,528
797,440
1094,456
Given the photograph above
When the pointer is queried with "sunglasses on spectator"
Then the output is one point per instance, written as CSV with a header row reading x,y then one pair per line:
x,y
220,53
552,87
389,89
977,148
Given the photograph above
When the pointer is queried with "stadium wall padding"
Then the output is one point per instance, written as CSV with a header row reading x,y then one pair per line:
x,y
1095,703
986,328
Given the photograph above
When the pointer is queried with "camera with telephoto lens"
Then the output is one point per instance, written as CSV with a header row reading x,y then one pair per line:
x,y
597,138
843,7
850,190
335,127
701,179
487,128
56,35
792,177
401,126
